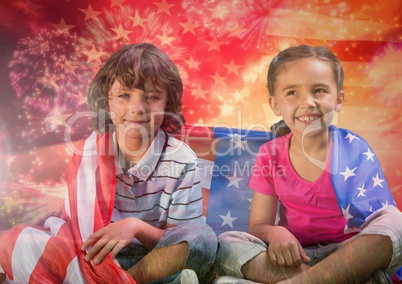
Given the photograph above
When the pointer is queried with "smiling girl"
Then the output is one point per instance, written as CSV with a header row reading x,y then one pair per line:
x,y
338,221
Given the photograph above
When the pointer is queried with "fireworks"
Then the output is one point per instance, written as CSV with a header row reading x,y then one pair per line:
x,y
385,75
44,71
119,27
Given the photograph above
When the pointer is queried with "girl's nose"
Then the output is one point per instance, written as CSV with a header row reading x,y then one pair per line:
x,y
307,101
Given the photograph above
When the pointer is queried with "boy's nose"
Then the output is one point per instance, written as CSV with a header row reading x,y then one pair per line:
x,y
137,105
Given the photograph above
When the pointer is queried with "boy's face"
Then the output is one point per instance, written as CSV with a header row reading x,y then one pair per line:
x,y
137,114
306,96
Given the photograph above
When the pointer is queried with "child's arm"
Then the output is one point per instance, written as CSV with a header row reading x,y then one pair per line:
x,y
117,235
283,248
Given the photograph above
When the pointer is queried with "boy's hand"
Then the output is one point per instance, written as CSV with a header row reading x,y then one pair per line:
x,y
111,238
285,249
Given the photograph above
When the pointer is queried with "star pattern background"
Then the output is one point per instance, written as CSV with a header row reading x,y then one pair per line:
x,y
50,50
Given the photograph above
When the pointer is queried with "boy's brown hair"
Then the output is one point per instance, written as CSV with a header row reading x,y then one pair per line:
x,y
132,65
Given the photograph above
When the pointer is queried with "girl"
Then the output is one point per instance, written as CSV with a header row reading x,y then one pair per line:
x,y
338,221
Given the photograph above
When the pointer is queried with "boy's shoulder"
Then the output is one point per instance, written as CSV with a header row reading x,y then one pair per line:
x,y
179,150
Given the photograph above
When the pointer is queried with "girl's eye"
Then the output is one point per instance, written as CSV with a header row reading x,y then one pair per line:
x,y
320,91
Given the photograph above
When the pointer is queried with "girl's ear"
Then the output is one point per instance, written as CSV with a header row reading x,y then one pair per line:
x,y
339,101
274,105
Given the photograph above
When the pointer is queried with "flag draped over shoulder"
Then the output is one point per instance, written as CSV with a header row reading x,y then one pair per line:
x,y
359,182
227,155
52,254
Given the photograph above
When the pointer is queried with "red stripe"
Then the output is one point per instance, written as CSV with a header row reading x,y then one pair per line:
x,y
59,252
7,243
107,173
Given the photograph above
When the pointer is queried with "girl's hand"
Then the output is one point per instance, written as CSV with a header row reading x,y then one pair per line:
x,y
285,249
111,238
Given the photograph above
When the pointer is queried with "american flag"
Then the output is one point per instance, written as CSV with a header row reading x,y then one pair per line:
x,y
226,158
51,49
359,182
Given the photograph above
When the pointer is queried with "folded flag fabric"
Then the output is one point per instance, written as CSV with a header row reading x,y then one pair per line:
x,y
52,254
359,182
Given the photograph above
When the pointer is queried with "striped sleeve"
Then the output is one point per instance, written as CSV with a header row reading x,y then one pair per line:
x,y
186,201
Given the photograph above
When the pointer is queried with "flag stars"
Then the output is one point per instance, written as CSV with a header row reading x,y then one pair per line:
x,y
351,137
227,109
164,7
348,173
237,140
192,64
214,44
234,180
361,190
369,155
346,213
377,181
232,68
31,8
189,27
165,39
137,20
94,55
117,3
385,204
228,219
218,79
121,33
200,93
63,26
90,13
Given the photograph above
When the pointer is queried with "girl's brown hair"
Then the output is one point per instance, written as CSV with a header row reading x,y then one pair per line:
x,y
290,54
132,65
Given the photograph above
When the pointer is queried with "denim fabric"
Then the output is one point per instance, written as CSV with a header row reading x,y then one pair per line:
x,y
202,244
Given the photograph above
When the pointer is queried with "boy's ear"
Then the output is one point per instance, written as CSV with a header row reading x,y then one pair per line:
x,y
274,105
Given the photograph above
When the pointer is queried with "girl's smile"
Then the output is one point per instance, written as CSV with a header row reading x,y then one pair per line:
x,y
306,99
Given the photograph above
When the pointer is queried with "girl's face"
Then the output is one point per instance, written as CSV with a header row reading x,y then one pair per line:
x,y
137,114
306,96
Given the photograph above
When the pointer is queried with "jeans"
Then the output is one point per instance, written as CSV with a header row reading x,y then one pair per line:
x,y
202,243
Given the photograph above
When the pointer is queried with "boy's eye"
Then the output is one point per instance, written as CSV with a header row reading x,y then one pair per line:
x,y
291,93
124,96
152,98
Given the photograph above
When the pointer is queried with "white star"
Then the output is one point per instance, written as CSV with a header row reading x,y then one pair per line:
x,y
228,219
385,204
234,180
348,173
351,137
377,181
369,155
362,190
346,213
237,140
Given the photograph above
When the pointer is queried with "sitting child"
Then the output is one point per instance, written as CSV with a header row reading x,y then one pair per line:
x,y
134,207
338,220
